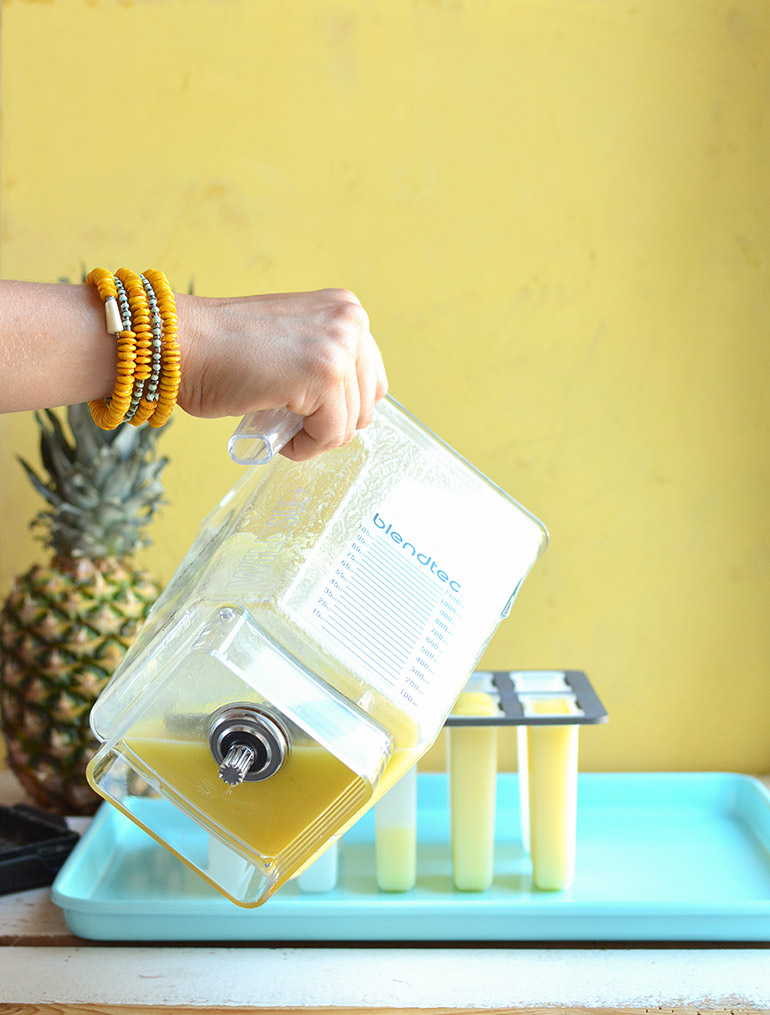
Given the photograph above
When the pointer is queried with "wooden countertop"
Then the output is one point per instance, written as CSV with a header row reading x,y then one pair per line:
x,y
45,969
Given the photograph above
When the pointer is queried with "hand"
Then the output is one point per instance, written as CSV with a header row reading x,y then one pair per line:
x,y
309,352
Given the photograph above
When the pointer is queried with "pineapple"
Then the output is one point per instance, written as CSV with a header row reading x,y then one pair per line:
x,y
66,625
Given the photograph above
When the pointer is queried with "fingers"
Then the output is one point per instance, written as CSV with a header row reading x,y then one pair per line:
x,y
333,424
311,352
349,388
367,376
381,388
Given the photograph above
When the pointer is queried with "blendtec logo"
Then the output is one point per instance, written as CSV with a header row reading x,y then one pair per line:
x,y
422,558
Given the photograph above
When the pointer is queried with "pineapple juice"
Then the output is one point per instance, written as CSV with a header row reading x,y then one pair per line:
x,y
472,769
552,763
395,836
396,858
265,818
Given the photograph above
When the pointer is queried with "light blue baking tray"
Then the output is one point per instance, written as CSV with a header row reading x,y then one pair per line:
x,y
660,857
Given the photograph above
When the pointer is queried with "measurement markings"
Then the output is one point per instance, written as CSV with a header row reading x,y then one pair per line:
x,y
399,594
401,563
382,627
356,626
405,574
400,576
384,662
376,595
382,608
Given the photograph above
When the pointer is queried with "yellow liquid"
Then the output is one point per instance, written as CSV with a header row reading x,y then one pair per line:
x,y
472,766
266,817
552,758
472,757
396,858
475,703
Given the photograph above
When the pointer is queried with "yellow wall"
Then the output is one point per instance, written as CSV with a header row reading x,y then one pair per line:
x,y
557,215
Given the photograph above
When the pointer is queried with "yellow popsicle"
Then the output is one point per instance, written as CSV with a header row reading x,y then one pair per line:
x,y
396,858
552,755
395,836
472,765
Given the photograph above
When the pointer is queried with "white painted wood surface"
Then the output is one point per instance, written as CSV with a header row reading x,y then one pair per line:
x,y
41,963
372,979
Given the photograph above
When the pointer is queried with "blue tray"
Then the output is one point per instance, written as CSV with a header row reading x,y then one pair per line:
x,y
660,857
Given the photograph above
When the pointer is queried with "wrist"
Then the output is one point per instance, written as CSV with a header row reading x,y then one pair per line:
x,y
191,314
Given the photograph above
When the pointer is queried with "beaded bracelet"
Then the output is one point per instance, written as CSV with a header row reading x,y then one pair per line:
x,y
170,373
109,414
149,399
141,311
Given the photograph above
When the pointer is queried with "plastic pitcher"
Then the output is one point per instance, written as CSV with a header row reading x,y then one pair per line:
x,y
308,650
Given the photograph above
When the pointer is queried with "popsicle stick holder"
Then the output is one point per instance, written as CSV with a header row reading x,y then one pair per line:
x,y
547,709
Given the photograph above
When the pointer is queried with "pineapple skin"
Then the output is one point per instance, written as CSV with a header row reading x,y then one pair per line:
x,y
63,630
65,626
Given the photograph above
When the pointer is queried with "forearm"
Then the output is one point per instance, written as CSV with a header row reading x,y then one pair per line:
x,y
54,349
54,345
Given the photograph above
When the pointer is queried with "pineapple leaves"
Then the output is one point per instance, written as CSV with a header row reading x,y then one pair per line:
x,y
89,439
124,441
45,491
57,436
102,487
55,451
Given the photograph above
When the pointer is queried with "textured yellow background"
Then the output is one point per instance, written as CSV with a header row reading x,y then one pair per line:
x,y
557,215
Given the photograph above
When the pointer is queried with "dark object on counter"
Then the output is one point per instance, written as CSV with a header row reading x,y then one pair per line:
x,y
33,846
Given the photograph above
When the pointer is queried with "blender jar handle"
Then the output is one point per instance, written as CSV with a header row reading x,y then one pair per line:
x,y
260,435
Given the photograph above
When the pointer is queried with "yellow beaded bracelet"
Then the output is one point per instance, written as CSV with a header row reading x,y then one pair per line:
x,y
110,414
141,311
170,376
